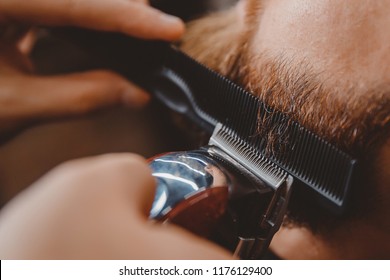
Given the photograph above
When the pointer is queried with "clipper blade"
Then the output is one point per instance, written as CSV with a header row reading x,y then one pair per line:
x,y
225,139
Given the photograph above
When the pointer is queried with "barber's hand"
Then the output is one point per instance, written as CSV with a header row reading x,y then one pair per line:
x,y
95,208
25,97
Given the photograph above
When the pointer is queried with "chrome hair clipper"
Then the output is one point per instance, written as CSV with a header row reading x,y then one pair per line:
x,y
222,192
234,191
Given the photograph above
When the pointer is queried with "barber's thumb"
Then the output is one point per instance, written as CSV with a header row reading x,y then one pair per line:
x,y
142,185
123,179
128,178
83,92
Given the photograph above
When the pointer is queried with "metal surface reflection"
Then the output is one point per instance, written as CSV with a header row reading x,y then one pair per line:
x,y
181,177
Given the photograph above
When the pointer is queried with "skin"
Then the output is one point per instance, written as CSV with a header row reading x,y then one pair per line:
x,y
26,97
326,64
346,39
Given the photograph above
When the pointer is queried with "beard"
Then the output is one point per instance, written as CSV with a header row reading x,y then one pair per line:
x,y
221,42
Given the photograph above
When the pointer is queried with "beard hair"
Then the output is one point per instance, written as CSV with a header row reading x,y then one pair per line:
x,y
220,42
224,43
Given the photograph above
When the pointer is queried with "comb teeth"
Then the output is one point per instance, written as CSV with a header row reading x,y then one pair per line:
x,y
315,162
225,139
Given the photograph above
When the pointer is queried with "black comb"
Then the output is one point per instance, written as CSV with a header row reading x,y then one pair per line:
x,y
208,98
310,159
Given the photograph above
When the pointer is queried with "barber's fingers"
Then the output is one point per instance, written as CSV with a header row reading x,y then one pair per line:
x,y
34,97
135,18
